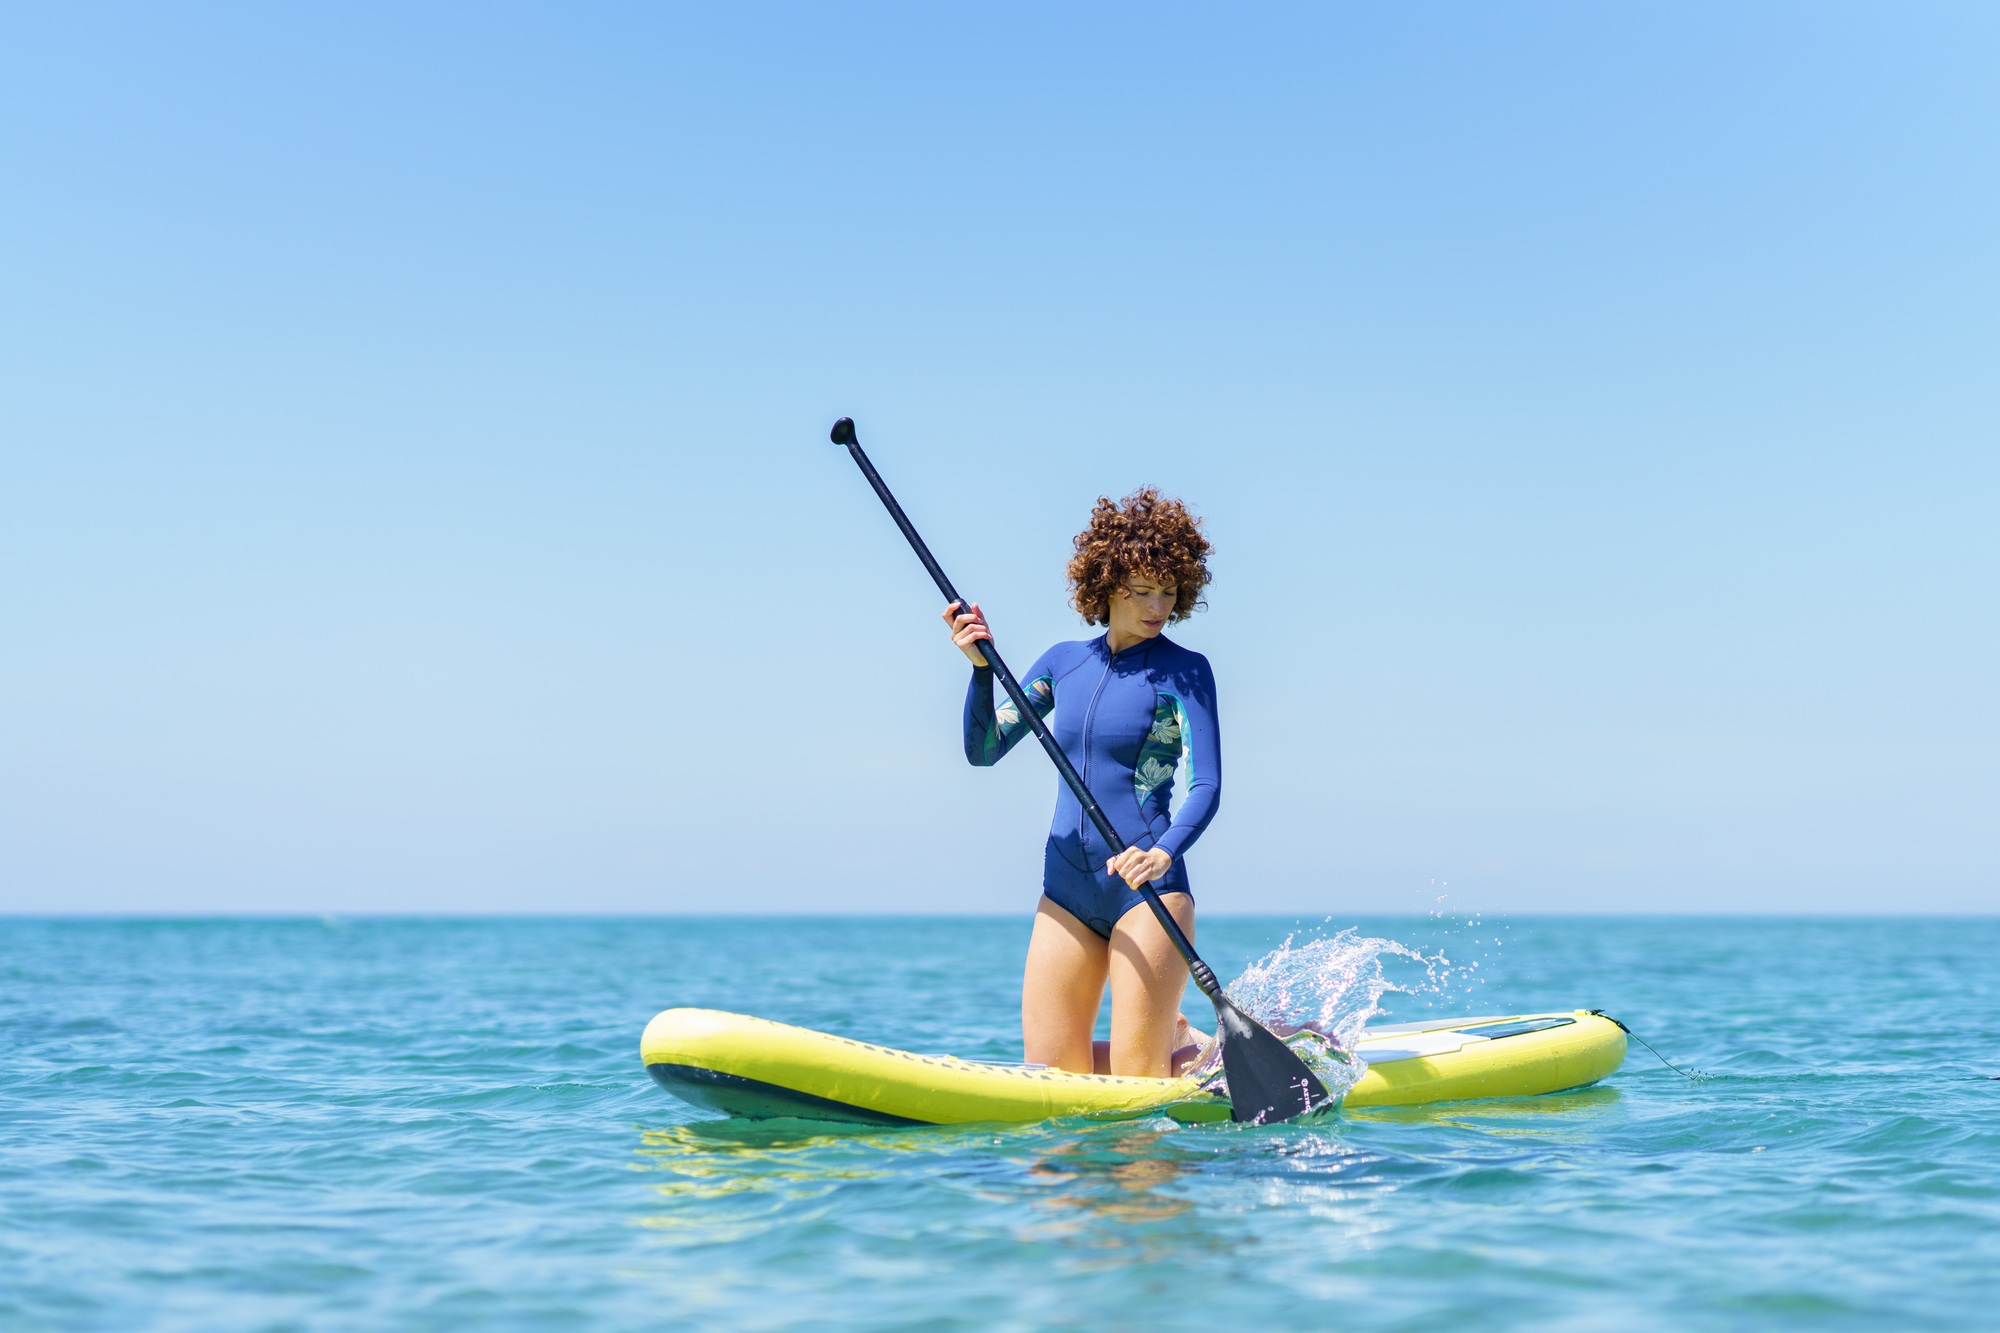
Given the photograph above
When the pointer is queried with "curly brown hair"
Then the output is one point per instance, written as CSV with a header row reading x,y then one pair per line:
x,y
1141,534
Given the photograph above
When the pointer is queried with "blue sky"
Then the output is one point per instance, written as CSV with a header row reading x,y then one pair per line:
x,y
414,491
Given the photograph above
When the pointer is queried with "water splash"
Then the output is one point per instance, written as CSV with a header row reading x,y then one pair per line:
x,y
1318,995
1453,980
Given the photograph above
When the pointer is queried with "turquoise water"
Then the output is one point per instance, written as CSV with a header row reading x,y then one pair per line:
x,y
443,1124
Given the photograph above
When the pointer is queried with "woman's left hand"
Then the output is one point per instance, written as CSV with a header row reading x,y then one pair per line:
x,y
1136,867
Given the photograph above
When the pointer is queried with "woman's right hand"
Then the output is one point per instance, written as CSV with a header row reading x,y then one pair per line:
x,y
967,628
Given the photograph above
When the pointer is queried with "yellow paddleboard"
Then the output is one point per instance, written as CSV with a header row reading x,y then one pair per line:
x,y
758,1069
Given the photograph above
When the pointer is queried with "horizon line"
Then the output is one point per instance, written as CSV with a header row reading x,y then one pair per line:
x,y
9,914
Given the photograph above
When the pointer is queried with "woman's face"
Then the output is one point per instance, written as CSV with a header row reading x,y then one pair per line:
x,y
1140,605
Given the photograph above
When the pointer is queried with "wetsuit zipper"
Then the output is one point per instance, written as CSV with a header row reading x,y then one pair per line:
x,y
1089,725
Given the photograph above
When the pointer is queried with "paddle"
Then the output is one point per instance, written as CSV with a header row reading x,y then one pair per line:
x,y
1267,1082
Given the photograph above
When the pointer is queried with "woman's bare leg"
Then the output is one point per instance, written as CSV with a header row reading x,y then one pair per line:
x,y
1061,989
1147,980
1188,1041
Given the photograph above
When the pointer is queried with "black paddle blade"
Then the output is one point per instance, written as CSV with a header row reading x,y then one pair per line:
x,y
1267,1080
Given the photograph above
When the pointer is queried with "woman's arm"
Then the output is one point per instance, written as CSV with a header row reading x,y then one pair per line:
x,y
990,730
1203,739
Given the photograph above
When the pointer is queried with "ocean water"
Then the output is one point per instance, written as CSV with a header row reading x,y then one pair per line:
x,y
418,1124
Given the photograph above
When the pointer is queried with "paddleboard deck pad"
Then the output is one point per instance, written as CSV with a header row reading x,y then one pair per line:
x,y
757,1069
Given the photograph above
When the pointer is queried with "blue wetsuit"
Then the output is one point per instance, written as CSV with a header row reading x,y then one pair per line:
x,y
1125,721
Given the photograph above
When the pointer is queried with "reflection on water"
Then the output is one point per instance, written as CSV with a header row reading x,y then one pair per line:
x,y
1124,1179
748,1163
1122,1189
1555,1115
1130,1187
728,1180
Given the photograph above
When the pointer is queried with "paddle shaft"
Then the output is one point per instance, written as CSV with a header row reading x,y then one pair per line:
x,y
1204,977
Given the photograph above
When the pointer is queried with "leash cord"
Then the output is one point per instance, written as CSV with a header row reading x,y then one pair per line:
x,y
1692,1078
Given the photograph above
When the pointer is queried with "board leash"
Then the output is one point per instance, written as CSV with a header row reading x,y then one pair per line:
x,y
1692,1078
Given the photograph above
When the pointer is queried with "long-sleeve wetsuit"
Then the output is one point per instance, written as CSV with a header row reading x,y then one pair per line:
x,y
1125,721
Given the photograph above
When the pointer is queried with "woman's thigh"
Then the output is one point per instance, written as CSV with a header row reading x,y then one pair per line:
x,y
1148,978
1061,989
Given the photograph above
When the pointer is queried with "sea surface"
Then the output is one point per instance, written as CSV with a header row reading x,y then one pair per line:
x,y
443,1124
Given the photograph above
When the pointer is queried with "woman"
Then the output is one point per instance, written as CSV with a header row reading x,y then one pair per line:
x,y
1128,706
